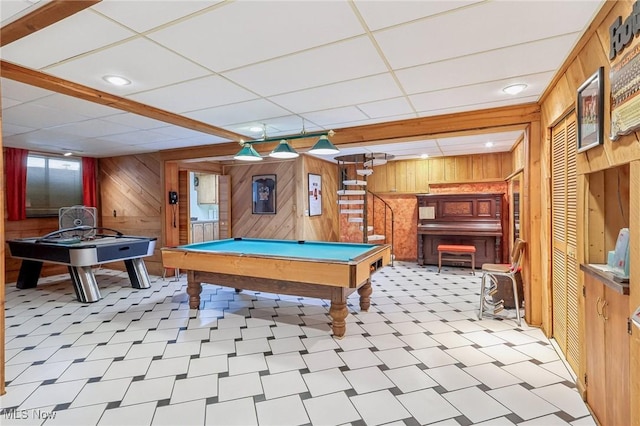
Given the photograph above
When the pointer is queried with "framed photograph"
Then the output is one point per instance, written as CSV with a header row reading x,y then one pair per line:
x,y
590,111
264,194
315,195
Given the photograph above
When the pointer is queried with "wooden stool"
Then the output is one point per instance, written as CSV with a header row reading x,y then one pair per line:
x,y
457,250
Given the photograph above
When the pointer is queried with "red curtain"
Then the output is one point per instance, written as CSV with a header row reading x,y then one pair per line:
x,y
89,185
15,161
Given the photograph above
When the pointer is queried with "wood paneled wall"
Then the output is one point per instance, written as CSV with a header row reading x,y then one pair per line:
x,y
326,226
517,155
290,221
244,223
131,200
590,54
415,176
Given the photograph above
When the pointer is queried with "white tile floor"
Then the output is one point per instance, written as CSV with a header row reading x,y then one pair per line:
x,y
141,357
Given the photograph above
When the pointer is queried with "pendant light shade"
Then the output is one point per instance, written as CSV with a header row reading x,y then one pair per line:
x,y
283,150
247,153
324,147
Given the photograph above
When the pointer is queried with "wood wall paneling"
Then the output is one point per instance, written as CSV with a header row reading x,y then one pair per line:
x,y
131,186
224,206
325,227
246,224
601,166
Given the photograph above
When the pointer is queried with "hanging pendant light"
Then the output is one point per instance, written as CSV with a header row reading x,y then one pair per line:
x,y
324,147
283,150
247,153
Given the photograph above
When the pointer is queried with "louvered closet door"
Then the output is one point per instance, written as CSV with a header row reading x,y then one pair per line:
x,y
564,232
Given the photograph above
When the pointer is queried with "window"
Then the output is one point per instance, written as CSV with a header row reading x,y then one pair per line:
x,y
52,182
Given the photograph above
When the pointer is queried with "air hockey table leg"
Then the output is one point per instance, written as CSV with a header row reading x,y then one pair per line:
x,y
29,274
138,274
84,283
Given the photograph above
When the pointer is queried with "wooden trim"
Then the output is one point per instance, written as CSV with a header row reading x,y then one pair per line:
x,y
49,14
171,183
66,87
511,176
3,276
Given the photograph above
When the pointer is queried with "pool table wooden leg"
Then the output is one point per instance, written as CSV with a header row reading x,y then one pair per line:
x,y
365,296
194,288
338,311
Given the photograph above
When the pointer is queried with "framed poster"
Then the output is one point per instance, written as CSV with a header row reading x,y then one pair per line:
x,y
315,195
264,194
590,111
625,88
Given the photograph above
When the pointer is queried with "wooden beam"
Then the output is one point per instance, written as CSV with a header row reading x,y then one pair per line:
x,y
66,87
49,14
483,121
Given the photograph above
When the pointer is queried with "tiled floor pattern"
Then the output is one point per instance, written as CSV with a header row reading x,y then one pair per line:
x,y
140,357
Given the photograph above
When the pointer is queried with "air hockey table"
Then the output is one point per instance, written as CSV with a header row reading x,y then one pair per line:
x,y
80,256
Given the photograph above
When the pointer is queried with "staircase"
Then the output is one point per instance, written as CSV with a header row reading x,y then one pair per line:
x,y
360,205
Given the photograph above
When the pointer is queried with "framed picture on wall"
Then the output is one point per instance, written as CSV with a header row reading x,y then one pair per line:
x,y
315,195
264,194
590,111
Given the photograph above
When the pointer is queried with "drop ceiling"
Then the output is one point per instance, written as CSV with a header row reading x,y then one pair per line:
x,y
243,65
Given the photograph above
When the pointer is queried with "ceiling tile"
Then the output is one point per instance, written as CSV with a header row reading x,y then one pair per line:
x,y
511,62
37,116
77,106
471,96
153,67
135,120
387,108
359,91
39,137
334,116
285,125
480,27
139,137
177,132
94,128
237,113
12,10
381,14
140,17
226,37
11,129
201,93
22,92
328,64
80,33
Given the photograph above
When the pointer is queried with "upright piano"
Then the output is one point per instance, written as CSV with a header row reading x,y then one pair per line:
x,y
467,219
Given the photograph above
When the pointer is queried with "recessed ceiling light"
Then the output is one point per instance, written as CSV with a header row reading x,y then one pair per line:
x,y
68,154
116,80
488,144
514,89
255,129
424,156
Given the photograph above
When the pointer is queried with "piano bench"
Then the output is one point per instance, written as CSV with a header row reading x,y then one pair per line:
x,y
458,250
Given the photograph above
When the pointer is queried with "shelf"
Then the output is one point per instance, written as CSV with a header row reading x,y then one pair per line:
x,y
607,278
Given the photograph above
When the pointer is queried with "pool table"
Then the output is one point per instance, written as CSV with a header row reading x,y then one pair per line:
x,y
324,270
